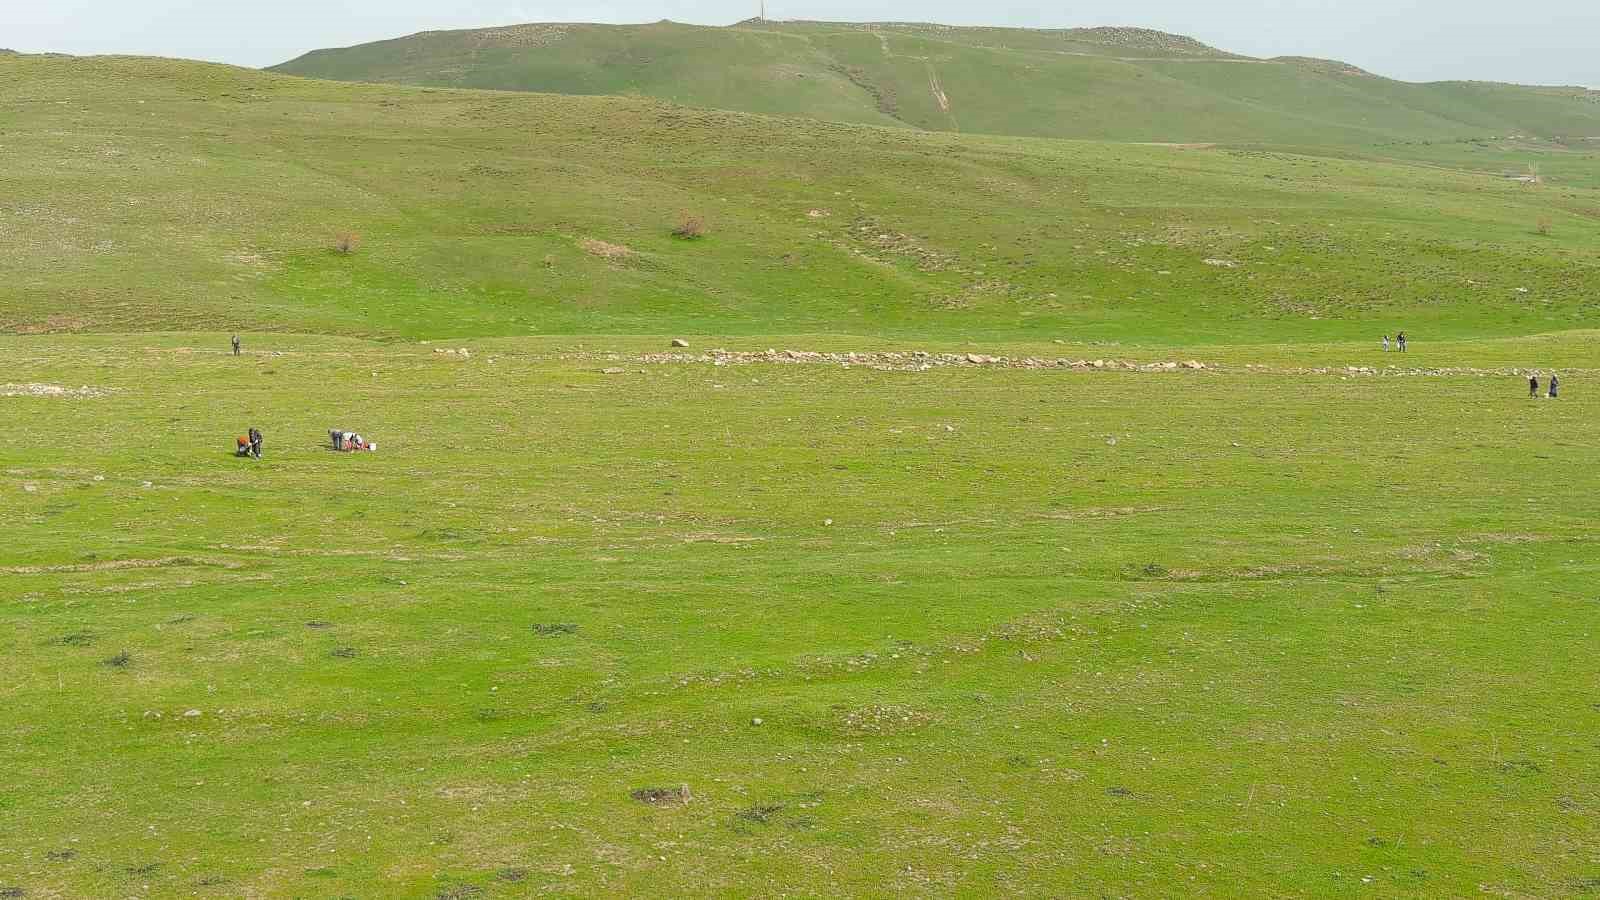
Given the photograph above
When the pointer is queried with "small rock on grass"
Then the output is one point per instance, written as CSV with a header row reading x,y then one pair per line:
x,y
612,370
656,795
679,342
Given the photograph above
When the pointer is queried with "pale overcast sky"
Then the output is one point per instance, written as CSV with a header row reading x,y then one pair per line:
x,y
1535,41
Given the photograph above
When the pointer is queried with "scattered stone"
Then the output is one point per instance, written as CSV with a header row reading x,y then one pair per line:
x,y
192,714
923,361
679,342
47,390
656,796
1222,263
756,721
612,370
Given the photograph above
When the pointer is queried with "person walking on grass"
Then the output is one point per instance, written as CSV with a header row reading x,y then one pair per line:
x,y
1533,386
236,345
1554,383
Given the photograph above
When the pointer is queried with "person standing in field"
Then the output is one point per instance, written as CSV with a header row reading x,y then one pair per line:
x,y
1554,383
1533,386
1401,340
236,345
1386,342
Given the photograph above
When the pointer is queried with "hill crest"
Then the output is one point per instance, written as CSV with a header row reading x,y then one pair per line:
x,y
1115,83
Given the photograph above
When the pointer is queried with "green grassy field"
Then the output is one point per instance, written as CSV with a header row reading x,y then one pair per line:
x,y
1238,631
1306,620
1098,84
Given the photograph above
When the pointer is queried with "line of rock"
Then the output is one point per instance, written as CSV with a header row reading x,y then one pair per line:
x,y
921,361
48,390
907,361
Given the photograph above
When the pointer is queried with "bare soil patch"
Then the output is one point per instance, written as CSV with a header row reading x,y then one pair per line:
x,y
605,249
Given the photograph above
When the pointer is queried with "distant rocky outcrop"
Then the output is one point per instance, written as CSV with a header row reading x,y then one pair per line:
x,y
1144,39
1324,66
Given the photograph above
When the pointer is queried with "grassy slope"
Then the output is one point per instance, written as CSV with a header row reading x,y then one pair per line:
x,y
1238,632
165,195
1095,84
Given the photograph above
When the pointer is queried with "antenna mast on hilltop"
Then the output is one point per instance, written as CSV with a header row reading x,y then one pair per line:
x,y
763,10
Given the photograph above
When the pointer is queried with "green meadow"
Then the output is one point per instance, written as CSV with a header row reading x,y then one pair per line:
x,y
1153,577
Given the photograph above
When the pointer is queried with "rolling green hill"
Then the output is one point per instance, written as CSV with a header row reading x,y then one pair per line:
x,y
152,194
1104,84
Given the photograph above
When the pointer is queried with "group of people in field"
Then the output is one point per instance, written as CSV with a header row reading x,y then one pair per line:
x,y
249,443
1554,385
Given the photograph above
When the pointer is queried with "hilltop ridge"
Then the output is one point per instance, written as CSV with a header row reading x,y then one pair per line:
x,y
1106,83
